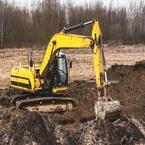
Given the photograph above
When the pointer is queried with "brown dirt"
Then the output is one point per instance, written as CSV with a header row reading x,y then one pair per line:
x,y
130,90
80,126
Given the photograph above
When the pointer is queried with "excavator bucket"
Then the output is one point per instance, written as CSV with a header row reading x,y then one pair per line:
x,y
109,110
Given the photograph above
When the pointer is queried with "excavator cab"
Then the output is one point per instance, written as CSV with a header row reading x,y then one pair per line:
x,y
56,78
61,72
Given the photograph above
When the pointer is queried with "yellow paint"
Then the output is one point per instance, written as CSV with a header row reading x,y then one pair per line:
x,y
55,90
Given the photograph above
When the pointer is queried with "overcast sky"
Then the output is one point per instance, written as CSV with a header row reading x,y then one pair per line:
x,y
115,3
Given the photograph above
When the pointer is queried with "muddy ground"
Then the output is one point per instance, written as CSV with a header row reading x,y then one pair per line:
x,y
80,127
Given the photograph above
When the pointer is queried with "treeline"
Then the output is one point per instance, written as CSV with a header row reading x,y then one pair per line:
x,y
21,27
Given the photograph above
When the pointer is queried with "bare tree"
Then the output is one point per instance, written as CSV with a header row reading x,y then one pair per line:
x,y
20,26
3,10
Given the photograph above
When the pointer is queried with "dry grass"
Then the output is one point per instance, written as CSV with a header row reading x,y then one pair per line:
x,y
82,60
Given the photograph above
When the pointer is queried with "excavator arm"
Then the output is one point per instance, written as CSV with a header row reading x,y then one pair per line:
x,y
71,41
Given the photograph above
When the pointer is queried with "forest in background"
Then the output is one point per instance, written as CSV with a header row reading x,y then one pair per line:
x,y
25,27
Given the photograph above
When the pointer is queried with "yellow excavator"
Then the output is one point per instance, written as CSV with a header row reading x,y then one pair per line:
x,y
44,82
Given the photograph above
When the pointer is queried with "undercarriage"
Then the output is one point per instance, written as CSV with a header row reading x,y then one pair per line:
x,y
43,102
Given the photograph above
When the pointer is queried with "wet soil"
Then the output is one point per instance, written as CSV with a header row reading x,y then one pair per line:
x,y
80,125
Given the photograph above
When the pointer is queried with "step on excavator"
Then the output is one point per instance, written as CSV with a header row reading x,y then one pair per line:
x,y
47,80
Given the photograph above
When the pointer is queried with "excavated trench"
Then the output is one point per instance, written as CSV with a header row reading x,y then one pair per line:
x,y
80,127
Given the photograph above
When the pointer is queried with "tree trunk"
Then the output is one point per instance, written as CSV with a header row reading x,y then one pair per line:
x,y
2,23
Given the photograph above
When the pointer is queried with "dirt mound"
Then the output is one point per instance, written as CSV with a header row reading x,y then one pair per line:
x,y
79,126
130,90
34,128
123,131
39,130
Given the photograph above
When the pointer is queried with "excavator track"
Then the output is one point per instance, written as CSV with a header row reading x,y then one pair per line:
x,y
43,103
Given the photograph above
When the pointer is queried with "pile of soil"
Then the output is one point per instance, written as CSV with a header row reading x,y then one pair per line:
x,y
80,125
130,90
38,129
